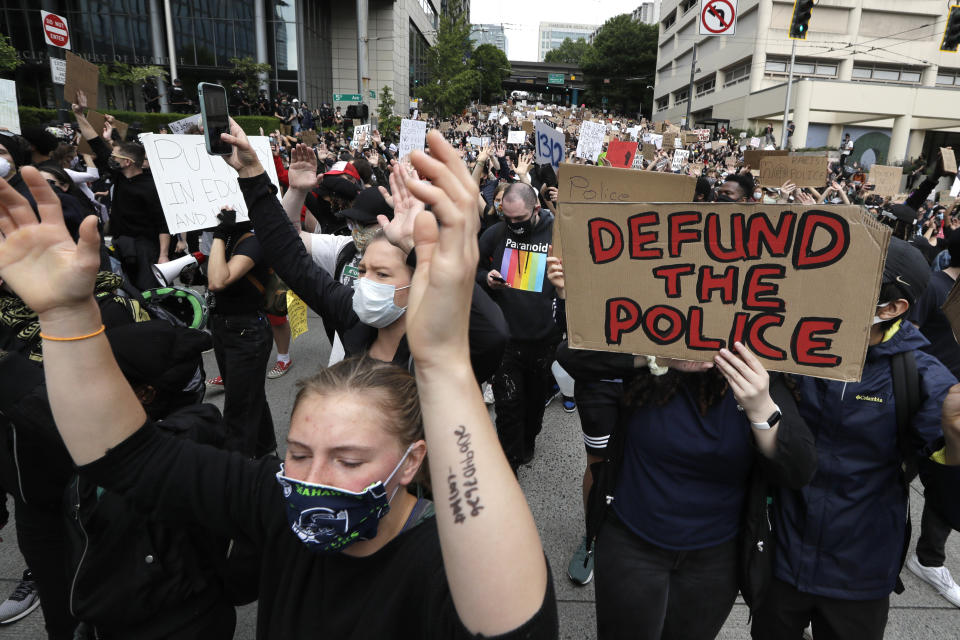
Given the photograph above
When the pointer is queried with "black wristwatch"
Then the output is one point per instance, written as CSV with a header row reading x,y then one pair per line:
x,y
770,423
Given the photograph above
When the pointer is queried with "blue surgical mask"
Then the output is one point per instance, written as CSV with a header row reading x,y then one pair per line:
x,y
328,519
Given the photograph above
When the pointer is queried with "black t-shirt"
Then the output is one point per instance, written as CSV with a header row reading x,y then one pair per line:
x,y
136,211
401,591
243,296
934,325
928,250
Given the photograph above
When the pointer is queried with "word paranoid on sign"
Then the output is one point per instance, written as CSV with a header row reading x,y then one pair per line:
x,y
194,185
797,285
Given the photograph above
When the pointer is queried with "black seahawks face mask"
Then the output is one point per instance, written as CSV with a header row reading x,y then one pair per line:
x,y
522,228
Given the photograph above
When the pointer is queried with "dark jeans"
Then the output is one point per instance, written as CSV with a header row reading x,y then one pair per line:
x,y
138,255
520,388
648,593
242,346
933,538
785,613
42,537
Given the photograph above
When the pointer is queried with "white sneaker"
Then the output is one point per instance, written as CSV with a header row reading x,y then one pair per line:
x,y
938,577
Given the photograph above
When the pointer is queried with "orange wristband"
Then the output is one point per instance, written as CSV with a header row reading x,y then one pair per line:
x,y
89,335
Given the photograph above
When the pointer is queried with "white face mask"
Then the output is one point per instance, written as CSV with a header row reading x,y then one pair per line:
x,y
878,319
5,167
373,303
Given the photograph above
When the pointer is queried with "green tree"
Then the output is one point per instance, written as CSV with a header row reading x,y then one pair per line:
x,y
248,71
494,68
451,82
388,124
8,55
569,52
123,81
622,62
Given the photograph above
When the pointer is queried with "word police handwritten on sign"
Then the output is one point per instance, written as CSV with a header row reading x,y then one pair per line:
x,y
797,285
194,185
550,145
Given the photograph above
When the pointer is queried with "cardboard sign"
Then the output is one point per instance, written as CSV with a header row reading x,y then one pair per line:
x,y
752,157
690,137
194,185
81,76
649,151
527,126
621,154
516,137
590,184
887,179
949,160
445,126
9,114
803,171
309,138
97,120
413,135
797,285
550,145
184,125
679,159
464,127
590,143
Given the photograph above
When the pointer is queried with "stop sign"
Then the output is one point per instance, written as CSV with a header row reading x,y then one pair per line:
x,y
55,30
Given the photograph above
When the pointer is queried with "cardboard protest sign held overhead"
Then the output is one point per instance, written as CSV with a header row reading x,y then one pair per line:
x,y
550,145
81,76
803,171
527,126
752,157
949,160
886,179
516,137
464,127
309,138
9,112
590,143
649,151
97,120
194,185
413,135
620,154
797,285
679,159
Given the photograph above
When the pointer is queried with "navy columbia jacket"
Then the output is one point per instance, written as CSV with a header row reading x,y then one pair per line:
x,y
842,535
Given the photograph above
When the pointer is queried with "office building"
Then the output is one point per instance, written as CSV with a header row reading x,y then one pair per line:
x,y
871,68
552,35
489,34
311,45
647,13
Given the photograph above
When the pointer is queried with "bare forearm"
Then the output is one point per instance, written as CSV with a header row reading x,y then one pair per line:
x,y
86,129
293,204
217,271
491,550
164,240
93,405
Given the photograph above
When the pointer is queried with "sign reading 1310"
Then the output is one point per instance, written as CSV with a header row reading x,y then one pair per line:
x,y
718,17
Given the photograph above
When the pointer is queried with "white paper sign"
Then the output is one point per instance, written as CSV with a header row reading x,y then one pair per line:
x,y
656,139
194,185
550,145
180,127
677,143
679,159
9,115
542,112
637,160
516,137
413,135
474,140
708,145
360,132
493,116
591,140
743,134
755,142
58,71
504,119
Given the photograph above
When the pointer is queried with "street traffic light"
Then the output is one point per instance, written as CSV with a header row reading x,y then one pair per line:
x,y
951,34
800,23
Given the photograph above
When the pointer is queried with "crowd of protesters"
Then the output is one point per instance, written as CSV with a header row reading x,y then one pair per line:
x,y
144,512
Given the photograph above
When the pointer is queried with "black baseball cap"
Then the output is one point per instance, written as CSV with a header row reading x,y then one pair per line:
x,y
368,204
906,267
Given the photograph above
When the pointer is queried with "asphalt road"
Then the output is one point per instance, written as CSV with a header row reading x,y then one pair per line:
x,y
552,485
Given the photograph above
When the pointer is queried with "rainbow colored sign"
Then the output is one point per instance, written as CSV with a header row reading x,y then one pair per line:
x,y
524,270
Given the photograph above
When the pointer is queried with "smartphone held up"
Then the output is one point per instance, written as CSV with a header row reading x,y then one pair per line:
x,y
214,117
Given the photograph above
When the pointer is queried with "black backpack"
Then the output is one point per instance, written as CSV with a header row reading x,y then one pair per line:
x,y
906,397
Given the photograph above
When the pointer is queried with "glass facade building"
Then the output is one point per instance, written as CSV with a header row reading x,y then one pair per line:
x,y
206,34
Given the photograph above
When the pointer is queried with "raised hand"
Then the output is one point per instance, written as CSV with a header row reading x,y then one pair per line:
x,y
447,255
302,173
39,260
555,275
406,208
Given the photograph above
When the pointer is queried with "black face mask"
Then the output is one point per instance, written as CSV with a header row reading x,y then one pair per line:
x,y
113,164
722,197
521,228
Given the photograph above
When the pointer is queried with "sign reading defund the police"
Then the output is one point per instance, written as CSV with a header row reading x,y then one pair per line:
x,y
797,285
193,185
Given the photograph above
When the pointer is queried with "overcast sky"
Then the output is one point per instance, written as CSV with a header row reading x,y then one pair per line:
x,y
521,18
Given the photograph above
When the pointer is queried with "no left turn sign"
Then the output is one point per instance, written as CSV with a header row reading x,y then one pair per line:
x,y
718,17
55,30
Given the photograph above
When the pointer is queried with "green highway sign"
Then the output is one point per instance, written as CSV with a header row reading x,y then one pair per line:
x,y
347,97
555,78
373,94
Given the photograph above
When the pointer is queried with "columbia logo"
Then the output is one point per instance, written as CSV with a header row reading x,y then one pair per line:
x,y
870,399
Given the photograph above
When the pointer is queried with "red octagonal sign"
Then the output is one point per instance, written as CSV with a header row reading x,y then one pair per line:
x,y
55,30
